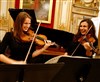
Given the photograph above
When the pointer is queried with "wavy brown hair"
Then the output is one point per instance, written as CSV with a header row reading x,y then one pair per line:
x,y
91,31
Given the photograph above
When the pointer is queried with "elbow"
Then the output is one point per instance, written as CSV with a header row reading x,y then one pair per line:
x,y
1,57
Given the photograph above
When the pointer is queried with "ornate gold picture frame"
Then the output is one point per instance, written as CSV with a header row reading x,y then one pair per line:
x,y
43,9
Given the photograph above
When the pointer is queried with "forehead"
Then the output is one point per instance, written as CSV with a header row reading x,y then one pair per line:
x,y
27,19
84,23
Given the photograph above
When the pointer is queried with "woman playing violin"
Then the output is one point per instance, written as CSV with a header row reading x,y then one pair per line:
x,y
17,43
84,41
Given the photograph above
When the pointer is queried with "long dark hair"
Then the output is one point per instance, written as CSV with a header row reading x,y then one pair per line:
x,y
91,31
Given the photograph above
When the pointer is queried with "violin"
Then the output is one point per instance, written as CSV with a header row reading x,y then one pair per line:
x,y
84,39
39,39
87,38
28,36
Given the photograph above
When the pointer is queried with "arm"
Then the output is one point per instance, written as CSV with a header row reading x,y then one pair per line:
x,y
7,60
39,51
3,46
88,48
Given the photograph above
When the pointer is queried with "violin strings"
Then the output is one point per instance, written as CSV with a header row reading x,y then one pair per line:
x,y
32,42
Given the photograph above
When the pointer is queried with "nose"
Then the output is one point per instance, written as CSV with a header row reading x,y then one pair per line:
x,y
28,25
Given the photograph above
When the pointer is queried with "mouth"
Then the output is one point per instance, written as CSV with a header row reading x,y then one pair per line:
x,y
26,29
83,31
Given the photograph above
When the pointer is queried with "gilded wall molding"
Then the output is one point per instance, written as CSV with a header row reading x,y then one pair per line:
x,y
6,22
63,14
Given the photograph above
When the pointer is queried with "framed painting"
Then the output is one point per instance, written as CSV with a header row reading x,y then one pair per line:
x,y
42,8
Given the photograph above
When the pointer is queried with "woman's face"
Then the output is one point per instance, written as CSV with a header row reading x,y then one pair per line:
x,y
84,28
26,24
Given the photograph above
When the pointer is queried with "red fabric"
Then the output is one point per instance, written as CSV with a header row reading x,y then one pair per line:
x,y
36,4
17,2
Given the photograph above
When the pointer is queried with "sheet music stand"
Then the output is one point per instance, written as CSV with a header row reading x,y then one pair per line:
x,y
74,70
41,72
94,73
9,73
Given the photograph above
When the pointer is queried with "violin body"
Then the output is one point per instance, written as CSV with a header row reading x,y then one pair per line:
x,y
28,37
40,39
84,39
87,38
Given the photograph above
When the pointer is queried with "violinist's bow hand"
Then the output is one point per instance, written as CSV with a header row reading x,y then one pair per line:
x,y
87,46
65,54
49,43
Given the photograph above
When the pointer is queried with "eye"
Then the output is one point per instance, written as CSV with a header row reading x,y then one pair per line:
x,y
27,23
82,26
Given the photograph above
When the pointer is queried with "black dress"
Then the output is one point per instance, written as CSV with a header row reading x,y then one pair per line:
x,y
18,49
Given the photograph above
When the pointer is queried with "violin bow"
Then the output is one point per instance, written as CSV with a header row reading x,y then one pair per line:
x,y
80,42
32,41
